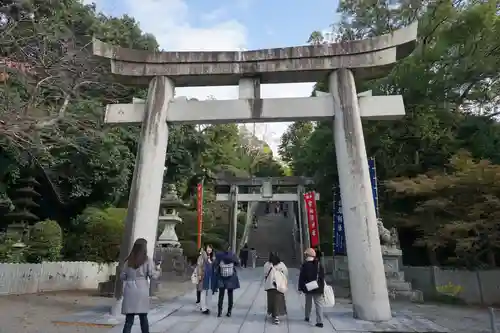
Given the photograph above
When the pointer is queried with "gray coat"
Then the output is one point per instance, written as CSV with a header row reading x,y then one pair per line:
x,y
136,287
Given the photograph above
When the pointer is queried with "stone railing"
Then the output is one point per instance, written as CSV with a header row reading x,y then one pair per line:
x,y
52,276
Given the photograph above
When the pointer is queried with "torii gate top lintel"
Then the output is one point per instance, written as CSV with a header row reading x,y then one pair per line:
x,y
370,58
259,181
266,190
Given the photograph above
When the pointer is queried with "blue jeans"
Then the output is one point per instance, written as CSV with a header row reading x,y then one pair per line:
x,y
129,322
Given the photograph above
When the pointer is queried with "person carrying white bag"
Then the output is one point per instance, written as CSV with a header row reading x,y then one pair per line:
x,y
312,284
275,285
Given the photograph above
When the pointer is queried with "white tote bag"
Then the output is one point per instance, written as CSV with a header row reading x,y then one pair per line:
x,y
328,296
281,281
194,277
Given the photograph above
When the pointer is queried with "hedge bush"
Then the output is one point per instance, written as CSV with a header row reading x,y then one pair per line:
x,y
45,242
101,235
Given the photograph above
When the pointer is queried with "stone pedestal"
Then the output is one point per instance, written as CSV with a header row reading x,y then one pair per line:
x,y
168,237
172,259
397,286
107,288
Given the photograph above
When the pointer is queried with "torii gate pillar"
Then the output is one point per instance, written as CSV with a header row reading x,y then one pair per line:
x,y
145,192
368,283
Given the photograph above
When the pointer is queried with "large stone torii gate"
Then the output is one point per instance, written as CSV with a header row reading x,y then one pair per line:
x,y
341,63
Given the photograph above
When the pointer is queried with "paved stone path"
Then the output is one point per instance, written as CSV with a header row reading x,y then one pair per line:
x,y
182,316
37,313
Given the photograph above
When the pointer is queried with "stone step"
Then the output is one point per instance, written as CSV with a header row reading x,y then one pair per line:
x,y
396,276
389,275
339,277
415,296
399,285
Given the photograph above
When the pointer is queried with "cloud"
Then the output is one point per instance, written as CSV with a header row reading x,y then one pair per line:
x,y
269,31
214,15
169,21
243,4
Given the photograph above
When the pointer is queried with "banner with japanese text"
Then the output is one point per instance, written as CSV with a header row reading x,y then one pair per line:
x,y
338,218
312,217
199,208
338,224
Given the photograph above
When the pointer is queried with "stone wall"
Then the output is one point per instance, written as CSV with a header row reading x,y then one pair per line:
x,y
52,276
473,287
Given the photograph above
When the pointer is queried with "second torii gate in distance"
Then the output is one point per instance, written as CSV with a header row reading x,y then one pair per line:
x,y
265,194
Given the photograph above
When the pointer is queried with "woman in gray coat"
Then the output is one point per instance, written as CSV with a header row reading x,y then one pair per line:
x,y
137,271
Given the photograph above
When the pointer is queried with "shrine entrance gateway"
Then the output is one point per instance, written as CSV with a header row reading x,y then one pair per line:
x,y
341,63
261,190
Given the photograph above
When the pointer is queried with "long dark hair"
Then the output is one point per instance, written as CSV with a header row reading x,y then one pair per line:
x,y
274,258
139,254
211,254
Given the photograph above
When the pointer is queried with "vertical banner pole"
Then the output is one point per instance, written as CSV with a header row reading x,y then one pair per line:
x,y
300,217
199,196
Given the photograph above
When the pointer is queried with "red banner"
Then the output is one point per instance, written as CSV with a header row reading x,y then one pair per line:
x,y
312,217
199,208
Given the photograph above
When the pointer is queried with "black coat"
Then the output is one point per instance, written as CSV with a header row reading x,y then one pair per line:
x,y
244,254
309,273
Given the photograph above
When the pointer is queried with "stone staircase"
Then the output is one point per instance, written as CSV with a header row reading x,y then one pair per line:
x,y
274,233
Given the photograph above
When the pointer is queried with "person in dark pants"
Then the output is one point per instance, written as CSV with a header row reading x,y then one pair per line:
x,y
276,303
226,278
312,284
244,256
137,270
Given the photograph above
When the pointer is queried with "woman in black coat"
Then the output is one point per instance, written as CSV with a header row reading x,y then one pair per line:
x,y
312,284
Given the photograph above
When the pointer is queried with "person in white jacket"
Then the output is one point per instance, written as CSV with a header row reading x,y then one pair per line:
x,y
276,303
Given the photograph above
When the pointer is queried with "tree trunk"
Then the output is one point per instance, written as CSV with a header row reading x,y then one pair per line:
x,y
432,257
491,258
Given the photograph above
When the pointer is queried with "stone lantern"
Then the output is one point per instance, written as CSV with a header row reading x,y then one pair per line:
x,y
168,219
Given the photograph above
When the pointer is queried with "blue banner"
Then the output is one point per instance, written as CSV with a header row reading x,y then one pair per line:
x,y
373,179
338,218
338,224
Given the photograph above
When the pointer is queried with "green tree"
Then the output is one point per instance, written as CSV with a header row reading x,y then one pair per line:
x,y
52,101
100,235
458,208
45,242
293,143
449,85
